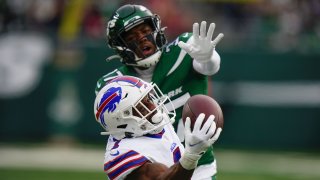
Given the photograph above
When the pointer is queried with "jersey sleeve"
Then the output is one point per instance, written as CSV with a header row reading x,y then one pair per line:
x,y
173,46
185,36
122,165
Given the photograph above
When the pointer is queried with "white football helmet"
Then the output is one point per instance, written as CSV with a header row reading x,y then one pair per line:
x,y
129,107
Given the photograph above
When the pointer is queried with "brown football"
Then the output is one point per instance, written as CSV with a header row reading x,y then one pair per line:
x,y
198,104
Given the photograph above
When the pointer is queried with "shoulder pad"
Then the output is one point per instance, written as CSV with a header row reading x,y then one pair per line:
x,y
185,37
174,44
104,80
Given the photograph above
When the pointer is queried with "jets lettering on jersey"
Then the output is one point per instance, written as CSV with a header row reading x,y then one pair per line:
x,y
175,92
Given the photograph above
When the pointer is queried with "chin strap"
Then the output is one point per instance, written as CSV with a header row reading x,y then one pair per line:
x,y
104,133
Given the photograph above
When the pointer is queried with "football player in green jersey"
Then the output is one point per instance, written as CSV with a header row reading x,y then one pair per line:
x,y
180,68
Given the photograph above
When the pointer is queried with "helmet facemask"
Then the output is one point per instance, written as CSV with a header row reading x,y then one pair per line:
x,y
133,54
152,112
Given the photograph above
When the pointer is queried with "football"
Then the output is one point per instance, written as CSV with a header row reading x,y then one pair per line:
x,y
198,104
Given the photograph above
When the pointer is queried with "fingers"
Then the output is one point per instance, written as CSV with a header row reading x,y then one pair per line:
x,y
200,45
185,46
209,127
208,123
204,35
187,128
203,29
211,30
216,136
198,123
217,39
196,31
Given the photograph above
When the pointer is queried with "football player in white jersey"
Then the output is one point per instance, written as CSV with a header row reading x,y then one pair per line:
x,y
142,142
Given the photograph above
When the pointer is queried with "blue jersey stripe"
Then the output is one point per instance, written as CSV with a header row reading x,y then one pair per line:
x,y
119,159
130,164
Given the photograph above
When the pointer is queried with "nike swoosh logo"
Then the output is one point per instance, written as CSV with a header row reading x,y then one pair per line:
x,y
191,145
114,153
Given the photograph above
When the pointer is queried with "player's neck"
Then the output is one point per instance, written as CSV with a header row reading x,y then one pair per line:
x,y
145,74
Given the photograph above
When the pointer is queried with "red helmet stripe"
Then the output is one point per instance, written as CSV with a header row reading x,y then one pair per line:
x,y
104,104
131,80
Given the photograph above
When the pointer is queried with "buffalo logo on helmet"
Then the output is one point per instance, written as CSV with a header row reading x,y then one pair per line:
x,y
108,102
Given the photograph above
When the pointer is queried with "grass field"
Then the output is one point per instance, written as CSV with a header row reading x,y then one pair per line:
x,y
52,163
32,174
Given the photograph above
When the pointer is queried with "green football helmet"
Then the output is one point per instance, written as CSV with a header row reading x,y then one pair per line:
x,y
126,18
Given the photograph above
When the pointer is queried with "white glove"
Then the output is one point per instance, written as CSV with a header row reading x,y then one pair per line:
x,y
201,47
198,140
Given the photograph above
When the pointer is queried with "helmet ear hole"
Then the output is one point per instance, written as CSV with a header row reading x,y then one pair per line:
x,y
122,126
128,134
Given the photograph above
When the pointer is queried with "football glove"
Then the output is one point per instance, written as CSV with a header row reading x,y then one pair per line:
x,y
198,140
201,47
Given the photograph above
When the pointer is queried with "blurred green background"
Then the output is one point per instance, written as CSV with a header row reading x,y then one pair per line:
x,y
53,51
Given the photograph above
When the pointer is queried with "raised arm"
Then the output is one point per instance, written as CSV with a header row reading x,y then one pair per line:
x,y
201,48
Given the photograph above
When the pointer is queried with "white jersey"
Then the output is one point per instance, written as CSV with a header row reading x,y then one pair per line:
x,y
125,155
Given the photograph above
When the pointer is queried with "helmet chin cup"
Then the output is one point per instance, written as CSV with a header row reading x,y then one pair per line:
x,y
131,59
157,118
149,61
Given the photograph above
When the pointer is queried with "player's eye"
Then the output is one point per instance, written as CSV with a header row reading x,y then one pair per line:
x,y
135,113
129,37
152,97
138,111
146,31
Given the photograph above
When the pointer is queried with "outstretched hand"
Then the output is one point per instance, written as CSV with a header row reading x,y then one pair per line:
x,y
202,46
198,140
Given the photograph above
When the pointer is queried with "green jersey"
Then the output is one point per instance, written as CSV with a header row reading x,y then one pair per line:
x,y
175,76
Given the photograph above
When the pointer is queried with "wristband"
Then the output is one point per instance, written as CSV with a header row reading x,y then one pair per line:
x,y
209,67
189,161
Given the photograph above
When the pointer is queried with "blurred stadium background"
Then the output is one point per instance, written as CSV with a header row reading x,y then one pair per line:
x,y
53,51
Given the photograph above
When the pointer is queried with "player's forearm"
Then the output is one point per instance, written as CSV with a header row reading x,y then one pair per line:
x,y
177,172
184,169
160,171
209,67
